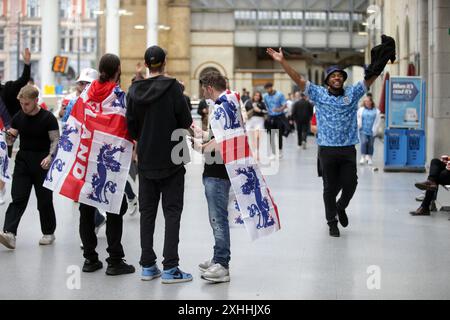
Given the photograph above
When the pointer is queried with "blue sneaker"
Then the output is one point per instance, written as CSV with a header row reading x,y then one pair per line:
x,y
175,275
150,273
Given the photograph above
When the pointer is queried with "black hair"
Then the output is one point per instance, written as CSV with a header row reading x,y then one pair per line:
x,y
268,85
108,67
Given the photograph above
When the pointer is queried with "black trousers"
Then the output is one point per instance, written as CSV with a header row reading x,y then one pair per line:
x,y
339,172
28,173
114,228
302,132
171,189
276,127
438,174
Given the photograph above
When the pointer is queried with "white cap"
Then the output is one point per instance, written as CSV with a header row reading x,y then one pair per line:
x,y
88,75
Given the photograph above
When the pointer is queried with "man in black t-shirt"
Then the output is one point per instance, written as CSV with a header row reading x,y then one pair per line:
x,y
39,135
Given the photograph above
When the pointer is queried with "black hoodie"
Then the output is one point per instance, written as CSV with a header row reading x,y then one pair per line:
x,y
156,108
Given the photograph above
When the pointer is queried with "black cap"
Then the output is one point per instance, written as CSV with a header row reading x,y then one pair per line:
x,y
154,57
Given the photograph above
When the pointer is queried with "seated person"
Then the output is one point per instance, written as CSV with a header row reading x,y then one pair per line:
x,y
439,175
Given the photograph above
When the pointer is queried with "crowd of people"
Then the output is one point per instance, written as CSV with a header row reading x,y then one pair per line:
x,y
156,106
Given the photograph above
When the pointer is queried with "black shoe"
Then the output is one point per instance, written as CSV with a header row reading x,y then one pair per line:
x,y
420,212
334,230
92,265
343,219
427,185
119,268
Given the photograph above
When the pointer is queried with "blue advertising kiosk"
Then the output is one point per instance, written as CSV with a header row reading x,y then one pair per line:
x,y
404,143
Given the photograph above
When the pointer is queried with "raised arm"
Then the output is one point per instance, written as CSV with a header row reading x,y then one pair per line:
x,y
368,83
295,76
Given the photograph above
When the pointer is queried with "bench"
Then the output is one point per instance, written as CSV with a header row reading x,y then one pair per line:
x,y
444,198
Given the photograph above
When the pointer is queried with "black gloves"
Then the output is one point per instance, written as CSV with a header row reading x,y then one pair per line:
x,y
380,55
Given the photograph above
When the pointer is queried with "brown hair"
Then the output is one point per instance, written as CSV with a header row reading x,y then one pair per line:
x,y
28,92
215,80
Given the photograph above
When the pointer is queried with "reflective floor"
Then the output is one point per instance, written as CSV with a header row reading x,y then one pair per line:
x,y
383,254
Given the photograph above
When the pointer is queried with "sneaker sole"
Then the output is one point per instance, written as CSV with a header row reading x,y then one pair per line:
x,y
93,270
150,278
4,242
172,281
46,244
217,280
109,273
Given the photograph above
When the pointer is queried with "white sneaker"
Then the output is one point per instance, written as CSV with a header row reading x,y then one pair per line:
x,y
132,206
47,240
217,273
304,145
369,160
362,161
280,155
205,265
272,157
8,240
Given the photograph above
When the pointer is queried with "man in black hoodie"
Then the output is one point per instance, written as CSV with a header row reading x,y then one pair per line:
x,y
156,108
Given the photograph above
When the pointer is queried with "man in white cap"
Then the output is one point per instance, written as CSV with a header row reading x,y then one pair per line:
x,y
86,77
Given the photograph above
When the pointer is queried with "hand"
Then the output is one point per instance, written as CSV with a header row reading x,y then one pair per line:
x,y
205,111
276,55
45,164
139,67
26,55
198,132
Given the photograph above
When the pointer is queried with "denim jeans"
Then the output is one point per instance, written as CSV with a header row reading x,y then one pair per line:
x,y
217,194
366,144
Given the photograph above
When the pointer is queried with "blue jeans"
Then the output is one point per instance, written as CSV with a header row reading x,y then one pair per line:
x,y
217,194
367,143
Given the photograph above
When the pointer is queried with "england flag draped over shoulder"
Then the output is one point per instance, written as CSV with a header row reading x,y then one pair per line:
x,y
5,176
258,209
94,151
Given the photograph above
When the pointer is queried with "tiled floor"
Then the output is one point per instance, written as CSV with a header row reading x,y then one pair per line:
x,y
409,254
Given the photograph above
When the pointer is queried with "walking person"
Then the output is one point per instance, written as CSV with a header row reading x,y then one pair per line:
x,y
256,112
302,113
39,134
5,122
276,104
336,108
98,92
156,108
369,118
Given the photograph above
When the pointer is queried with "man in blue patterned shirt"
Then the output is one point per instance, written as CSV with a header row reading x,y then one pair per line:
x,y
276,104
336,110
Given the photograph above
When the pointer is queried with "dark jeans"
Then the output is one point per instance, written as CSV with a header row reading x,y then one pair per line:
x,y
276,127
339,172
171,189
367,143
28,173
114,228
217,194
438,174
302,132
